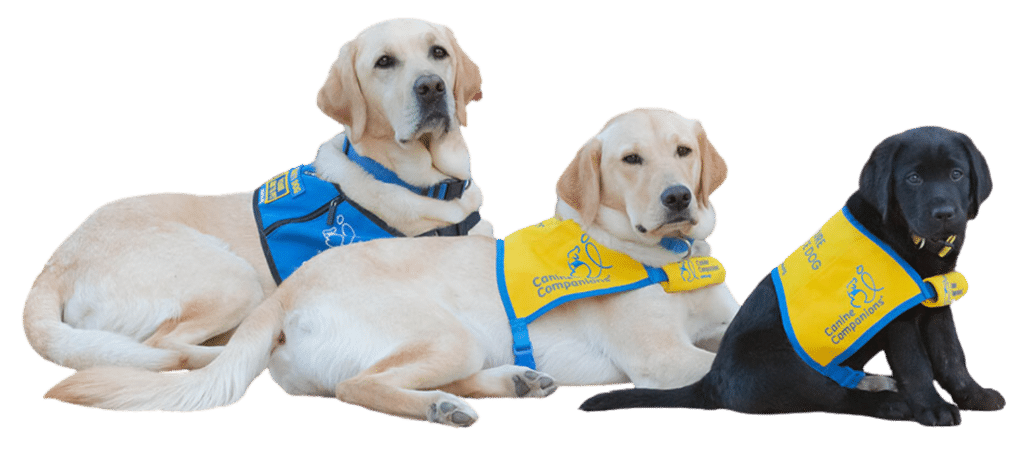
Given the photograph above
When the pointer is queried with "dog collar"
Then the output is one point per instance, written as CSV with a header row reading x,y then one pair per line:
x,y
947,245
677,245
446,190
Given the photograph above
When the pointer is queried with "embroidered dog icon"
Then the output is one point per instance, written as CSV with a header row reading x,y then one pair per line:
x,y
858,289
592,253
341,234
689,271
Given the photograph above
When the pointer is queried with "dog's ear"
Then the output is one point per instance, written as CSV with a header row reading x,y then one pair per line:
x,y
981,180
467,79
580,184
341,97
876,176
712,167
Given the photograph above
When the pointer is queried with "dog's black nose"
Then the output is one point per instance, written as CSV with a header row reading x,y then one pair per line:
x,y
943,213
429,88
676,198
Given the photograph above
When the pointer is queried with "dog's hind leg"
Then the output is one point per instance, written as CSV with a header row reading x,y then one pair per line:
x,y
209,312
506,381
400,383
949,364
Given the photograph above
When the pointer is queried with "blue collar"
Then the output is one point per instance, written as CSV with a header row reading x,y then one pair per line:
x,y
676,245
446,190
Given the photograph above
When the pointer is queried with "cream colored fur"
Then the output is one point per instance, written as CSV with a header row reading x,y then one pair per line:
x,y
145,280
407,327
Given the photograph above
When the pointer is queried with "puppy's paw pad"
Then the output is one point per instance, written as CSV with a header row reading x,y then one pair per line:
x,y
451,413
531,383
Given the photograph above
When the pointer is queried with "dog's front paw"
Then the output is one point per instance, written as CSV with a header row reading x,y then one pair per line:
x,y
451,412
980,400
531,383
937,413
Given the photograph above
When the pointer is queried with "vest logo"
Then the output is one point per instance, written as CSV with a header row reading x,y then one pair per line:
x,y
696,269
862,291
585,267
340,234
282,185
593,265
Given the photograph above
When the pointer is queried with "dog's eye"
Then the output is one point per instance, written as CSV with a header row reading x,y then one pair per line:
x,y
683,150
957,174
632,158
385,61
914,179
438,52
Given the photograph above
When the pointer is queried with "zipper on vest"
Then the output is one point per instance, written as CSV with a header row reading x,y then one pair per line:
x,y
331,207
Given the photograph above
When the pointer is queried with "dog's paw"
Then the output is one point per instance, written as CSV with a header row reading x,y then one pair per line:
x,y
981,400
531,383
448,411
873,383
937,414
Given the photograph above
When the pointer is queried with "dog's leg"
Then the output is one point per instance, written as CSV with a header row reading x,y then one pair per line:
x,y
205,317
506,381
949,364
399,384
908,358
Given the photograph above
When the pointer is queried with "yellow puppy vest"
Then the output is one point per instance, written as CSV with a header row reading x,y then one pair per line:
x,y
543,266
842,287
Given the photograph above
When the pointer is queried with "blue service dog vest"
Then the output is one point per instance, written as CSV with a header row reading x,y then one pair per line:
x,y
300,215
541,267
842,287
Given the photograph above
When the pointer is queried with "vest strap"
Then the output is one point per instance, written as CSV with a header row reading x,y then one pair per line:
x,y
457,229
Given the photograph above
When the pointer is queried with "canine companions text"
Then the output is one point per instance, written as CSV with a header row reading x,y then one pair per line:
x,y
381,326
907,221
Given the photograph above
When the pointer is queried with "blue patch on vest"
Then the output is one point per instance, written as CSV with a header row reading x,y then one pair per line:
x,y
299,216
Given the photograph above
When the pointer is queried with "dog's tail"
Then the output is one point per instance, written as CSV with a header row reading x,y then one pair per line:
x,y
220,383
76,348
696,396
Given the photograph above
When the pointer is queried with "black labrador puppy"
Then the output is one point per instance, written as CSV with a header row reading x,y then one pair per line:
x,y
917,191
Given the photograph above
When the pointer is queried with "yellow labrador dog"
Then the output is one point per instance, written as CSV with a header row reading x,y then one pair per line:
x,y
406,327
145,280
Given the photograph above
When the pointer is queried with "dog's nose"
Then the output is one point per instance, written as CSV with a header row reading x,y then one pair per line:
x,y
429,88
676,198
943,213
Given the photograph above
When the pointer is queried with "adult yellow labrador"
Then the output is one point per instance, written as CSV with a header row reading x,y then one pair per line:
x,y
405,327
146,280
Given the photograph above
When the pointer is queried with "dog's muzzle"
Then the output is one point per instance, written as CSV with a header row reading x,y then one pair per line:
x,y
431,96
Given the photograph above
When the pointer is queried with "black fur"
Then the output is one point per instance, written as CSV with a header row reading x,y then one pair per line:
x,y
757,370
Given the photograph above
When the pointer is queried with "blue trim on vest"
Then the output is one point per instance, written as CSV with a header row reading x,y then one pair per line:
x,y
446,190
522,347
846,376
